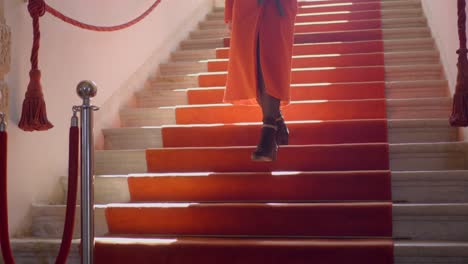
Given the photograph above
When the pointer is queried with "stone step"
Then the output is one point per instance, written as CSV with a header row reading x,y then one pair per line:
x,y
401,23
356,15
390,59
413,108
195,44
407,186
403,157
48,220
398,45
397,4
44,251
444,222
411,72
417,89
149,98
416,21
388,34
417,108
400,131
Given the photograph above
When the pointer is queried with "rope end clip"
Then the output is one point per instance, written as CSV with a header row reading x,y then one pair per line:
x,y
3,124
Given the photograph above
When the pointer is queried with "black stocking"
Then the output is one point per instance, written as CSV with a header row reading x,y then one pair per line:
x,y
269,104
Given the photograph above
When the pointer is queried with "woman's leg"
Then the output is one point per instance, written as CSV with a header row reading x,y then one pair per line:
x,y
267,147
269,104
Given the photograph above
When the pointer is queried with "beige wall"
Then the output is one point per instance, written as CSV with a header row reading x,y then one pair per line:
x,y
442,18
4,59
118,62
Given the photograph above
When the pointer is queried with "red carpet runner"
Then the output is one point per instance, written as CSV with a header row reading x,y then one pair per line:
x,y
326,200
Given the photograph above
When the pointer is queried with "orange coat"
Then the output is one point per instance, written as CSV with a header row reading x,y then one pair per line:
x,y
252,21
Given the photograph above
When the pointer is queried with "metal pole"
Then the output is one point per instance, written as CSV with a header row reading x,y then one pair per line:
x,y
2,122
87,90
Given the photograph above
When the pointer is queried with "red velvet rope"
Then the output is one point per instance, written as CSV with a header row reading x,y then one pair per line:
x,y
459,115
36,9
67,237
4,233
82,25
71,199
34,113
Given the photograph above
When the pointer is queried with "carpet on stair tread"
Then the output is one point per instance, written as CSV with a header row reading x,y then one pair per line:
x,y
338,157
311,2
301,133
338,26
339,16
304,110
338,7
280,186
347,172
343,36
354,47
243,251
331,60
365,219
312,75
302,92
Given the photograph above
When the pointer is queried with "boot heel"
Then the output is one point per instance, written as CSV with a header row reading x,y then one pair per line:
x,y
267,148
282,135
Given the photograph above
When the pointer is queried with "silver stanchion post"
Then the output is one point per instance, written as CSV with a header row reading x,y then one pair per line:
x,y
2,122
87,90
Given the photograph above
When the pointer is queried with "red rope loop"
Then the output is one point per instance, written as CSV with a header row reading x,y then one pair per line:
x,y
4,233
461,5
71,199
36,8
73,161
82,25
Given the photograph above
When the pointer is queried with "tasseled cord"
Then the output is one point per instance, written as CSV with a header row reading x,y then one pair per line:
x,y
34,114
459,117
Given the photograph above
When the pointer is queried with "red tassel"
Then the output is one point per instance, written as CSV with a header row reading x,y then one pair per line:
x,y
34,115
459,117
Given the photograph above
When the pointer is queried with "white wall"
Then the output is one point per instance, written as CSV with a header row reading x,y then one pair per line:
x,y
442,18
118,62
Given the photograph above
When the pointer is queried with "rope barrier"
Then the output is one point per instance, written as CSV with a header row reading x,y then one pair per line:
x,y
459,115
34,113
73,154
71,196
4,233
82,25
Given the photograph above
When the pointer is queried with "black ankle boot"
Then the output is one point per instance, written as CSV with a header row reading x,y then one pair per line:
x,y
282,135
267,148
